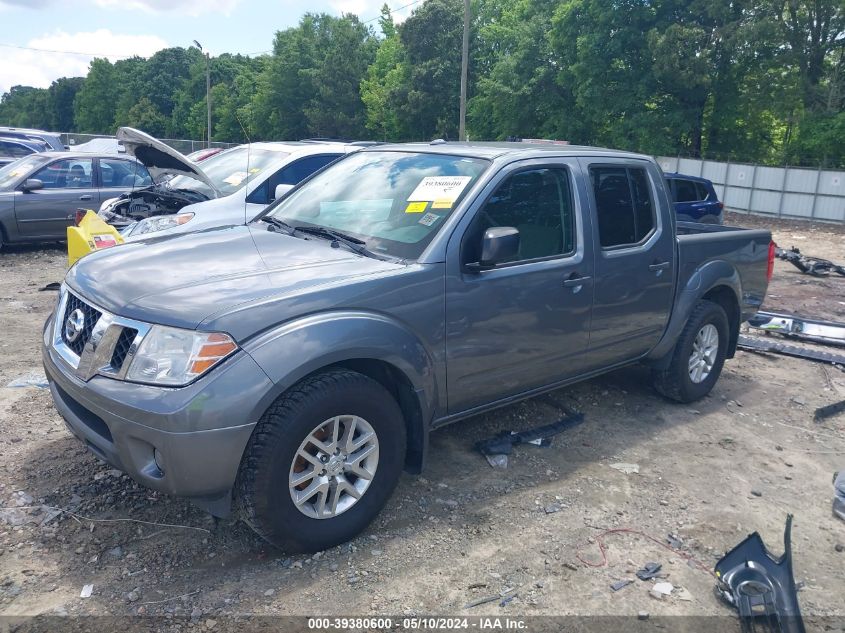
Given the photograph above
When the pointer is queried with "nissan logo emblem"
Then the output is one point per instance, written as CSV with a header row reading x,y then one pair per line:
x,y
74,324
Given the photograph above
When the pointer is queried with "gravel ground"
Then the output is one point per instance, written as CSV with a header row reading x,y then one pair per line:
x,y
709,474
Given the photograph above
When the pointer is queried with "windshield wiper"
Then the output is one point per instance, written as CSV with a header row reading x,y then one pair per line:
x,y
279,224
353,243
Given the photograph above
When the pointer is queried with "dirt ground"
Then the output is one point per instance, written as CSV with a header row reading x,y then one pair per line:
x,y
709,474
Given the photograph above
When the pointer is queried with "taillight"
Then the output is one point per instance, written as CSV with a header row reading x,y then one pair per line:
x,y
721,205
771,268
78,215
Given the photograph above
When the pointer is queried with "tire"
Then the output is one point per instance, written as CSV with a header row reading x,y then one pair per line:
x,y
677,381
273,458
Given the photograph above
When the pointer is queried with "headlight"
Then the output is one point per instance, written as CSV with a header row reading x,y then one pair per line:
x,y
108,205
160,223
175,357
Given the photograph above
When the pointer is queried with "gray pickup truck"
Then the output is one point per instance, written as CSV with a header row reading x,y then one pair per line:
x,y
293,366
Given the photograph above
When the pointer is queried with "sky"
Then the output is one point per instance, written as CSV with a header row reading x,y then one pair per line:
x,y
122,28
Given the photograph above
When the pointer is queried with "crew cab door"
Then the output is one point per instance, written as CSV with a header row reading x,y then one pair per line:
x,y
525,323
46,213
635,259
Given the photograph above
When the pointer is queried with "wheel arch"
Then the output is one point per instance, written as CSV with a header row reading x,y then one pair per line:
x,y
726,298
716,281
371,344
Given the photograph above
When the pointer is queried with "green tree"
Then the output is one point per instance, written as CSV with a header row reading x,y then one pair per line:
x,y
25,106
386,78
145,116
429,103
94,105
60,96
310,86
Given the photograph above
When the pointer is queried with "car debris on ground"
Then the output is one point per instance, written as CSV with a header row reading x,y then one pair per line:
x,y
760,585
808,264
758,344
34,378
799,327
497,449
839,494
828,411
649,571
627,469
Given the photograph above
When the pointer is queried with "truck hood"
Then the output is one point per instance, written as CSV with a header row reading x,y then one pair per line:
x,y
160,159
185,279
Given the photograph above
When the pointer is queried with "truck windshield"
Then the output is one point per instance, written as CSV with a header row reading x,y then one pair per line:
x,y
394,201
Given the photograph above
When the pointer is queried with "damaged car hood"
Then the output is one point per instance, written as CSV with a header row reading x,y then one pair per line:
x,y
184,280
160,159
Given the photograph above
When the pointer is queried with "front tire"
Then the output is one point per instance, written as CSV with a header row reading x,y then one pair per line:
x,y
322,462
698,355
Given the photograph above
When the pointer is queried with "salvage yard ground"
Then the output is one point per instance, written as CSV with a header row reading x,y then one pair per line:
x,y
709,473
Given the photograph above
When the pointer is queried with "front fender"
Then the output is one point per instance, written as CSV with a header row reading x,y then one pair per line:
x,y
298,348
711,275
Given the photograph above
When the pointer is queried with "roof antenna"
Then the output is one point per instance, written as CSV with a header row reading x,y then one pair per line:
x,y
248,149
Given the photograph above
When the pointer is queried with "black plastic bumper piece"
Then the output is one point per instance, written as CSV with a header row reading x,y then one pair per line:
x,y
760,586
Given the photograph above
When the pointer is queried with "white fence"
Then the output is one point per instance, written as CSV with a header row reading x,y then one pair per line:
x,y
789,192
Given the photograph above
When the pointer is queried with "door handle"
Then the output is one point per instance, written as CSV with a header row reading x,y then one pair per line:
x,y
575,282
657,266
85,197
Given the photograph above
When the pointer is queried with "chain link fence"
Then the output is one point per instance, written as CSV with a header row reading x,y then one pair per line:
x,y
184,146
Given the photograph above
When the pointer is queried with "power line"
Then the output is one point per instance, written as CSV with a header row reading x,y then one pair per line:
x,y
48,50
392,11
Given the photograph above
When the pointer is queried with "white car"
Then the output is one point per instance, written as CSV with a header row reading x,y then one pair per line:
x,y
229,188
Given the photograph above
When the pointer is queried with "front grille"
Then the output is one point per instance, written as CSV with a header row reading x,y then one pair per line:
x,y
91,315
121,348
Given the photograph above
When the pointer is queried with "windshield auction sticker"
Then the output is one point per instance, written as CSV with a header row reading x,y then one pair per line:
x,y
416,207
441,191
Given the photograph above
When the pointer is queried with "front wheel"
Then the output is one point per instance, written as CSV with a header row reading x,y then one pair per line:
x,y
322,462
698,356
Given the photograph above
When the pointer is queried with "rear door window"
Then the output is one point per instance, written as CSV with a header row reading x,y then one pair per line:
x,y
624,205
117,173
703,193
686,191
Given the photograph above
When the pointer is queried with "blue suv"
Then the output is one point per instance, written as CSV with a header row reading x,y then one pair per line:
x,y
695,199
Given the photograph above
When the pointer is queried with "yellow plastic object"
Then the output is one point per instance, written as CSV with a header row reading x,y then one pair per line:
x,y
92,234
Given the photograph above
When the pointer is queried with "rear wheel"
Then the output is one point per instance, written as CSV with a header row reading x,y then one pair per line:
x,y
698,356
322,462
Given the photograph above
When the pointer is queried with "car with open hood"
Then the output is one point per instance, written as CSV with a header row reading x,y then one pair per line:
x,y
230,187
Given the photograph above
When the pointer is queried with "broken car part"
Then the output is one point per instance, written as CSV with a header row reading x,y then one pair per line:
x,y
839,496
649,571
757,344
495,448
829,410
794,326
760,586
807,264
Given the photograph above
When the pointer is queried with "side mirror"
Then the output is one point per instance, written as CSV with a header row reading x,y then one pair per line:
x,y
281,190
499,244
31,184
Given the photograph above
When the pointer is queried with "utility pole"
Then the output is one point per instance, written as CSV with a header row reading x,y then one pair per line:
x,y
207,90
462,126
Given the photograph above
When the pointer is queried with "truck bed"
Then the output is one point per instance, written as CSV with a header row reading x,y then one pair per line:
x,y
747,250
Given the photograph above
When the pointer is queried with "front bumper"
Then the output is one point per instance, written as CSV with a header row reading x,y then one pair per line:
x,y
184,441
